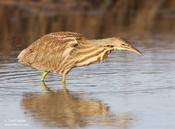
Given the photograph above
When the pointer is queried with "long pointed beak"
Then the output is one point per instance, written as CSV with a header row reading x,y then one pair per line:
x,y
134,50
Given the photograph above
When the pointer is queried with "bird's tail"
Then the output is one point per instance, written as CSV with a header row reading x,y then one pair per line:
x,y
21,57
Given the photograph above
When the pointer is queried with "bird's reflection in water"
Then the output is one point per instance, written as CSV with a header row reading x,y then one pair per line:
x,y
67,109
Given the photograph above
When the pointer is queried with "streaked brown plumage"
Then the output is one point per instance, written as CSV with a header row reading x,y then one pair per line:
x,y
61,51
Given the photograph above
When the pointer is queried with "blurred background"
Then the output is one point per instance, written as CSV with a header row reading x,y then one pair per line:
x,y
126,91
23,21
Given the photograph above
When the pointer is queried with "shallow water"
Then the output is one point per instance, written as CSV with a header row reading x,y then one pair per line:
x,y
125,91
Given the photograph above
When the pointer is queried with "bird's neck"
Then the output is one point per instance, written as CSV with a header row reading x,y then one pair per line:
x,y
100,42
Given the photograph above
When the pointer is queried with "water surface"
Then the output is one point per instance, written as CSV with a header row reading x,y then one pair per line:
x,y
125,91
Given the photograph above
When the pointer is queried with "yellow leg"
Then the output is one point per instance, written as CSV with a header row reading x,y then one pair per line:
x,y
45,87
63,80
44,74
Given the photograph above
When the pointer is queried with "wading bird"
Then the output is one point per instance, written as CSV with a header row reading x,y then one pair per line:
x,y
59,52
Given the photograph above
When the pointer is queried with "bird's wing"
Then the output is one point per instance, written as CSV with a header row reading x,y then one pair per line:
x,y
50,51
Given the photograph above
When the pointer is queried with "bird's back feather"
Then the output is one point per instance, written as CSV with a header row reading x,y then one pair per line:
x,y
47,52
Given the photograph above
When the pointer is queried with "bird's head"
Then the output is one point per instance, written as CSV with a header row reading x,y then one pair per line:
x,y
121,44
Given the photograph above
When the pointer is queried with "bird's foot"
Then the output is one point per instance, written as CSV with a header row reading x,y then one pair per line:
x,y
63,82
45,87
44,74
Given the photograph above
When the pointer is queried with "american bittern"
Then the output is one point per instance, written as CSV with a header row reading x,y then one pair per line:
x,y
61,51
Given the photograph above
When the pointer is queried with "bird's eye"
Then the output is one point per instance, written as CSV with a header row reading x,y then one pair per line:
x,y
110,46
75,45
123,44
